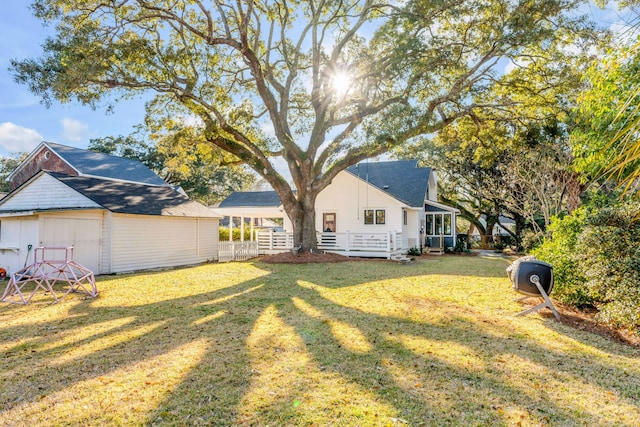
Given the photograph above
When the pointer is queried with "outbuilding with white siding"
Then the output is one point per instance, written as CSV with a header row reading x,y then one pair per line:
x,y
114,225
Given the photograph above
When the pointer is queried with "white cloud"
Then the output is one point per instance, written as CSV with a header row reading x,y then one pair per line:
x,y
74,130
18,139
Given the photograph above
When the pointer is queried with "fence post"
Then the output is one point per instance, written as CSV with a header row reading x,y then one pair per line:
x,y
271,239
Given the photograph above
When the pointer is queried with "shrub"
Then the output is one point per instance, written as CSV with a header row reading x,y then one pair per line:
x,y
415,251
559,251
595,254
461,244
609,255
531,240
223,234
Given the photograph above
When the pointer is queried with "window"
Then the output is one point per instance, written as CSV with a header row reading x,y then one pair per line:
x,y
437,224
429,228
377,215
404,217
368,216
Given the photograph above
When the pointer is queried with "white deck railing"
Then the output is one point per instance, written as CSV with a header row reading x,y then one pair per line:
x,y
273,242
348,243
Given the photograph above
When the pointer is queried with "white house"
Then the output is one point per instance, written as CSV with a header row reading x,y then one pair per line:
x,y
504,227
116,213
393,201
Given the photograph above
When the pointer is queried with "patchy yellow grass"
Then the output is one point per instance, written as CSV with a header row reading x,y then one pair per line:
x,y
347,344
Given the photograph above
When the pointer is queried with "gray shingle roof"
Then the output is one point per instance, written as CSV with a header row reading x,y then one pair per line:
x,y
132,198
251,199
104,165
402,179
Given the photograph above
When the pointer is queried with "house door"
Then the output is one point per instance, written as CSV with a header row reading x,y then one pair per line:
x,y
329,222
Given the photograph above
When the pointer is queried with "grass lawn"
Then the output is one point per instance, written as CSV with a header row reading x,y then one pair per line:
x,y
348,344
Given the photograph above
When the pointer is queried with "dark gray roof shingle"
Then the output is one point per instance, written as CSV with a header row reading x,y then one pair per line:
x,y
402,179
105,165
132,198
251,199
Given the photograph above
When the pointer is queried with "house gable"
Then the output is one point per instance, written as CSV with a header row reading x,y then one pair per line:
x,y
348,197
44,192
42,158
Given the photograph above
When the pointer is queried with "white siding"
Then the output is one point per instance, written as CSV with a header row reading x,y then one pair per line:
x,y
208,239
46,192
348,197
105,256
411,232
142,242
16,233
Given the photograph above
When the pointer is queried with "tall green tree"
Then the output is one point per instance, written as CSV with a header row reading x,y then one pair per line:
x,y
336,82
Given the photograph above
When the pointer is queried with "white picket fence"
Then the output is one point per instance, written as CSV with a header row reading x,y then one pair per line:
x,y
237,251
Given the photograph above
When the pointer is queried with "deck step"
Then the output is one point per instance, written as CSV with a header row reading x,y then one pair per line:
x,y
400,258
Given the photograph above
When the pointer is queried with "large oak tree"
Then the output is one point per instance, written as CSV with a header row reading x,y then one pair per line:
x,y
318,85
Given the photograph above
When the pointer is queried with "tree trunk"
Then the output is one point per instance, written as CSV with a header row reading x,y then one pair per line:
x,y
488,232
303,219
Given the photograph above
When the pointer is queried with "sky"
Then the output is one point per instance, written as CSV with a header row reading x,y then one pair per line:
x,y
25,122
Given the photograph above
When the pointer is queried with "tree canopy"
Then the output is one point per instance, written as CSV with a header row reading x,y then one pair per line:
x,y
320,85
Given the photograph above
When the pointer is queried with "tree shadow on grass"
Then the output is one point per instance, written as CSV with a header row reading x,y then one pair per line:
x,y
297,345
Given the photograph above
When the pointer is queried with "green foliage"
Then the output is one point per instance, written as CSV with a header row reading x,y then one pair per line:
x,y
605,143
531,240
223,234
560,251
7,166
609,255
415,251
461,247
595,253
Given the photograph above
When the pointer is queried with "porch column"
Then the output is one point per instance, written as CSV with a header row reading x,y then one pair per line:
x,y
251,233
230,228
242,228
